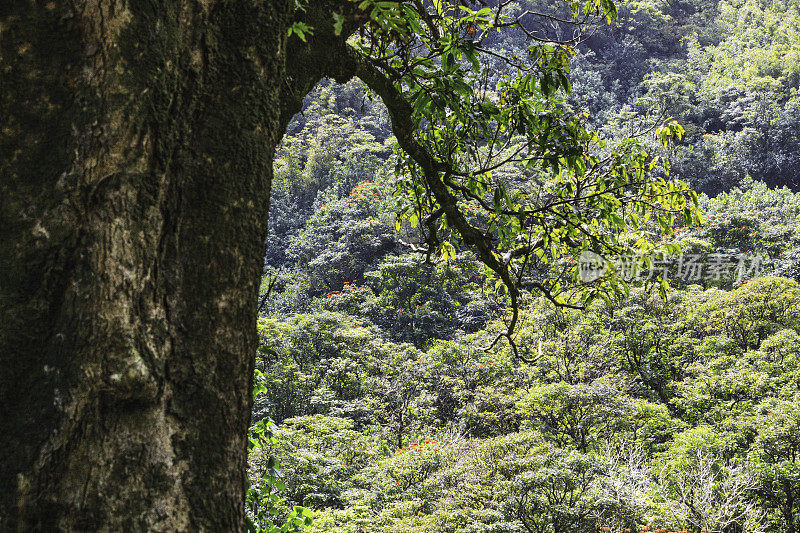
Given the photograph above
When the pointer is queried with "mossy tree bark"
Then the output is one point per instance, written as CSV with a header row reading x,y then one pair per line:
x,y
136,149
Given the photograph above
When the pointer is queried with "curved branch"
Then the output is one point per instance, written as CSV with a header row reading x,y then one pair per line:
x,y
403,126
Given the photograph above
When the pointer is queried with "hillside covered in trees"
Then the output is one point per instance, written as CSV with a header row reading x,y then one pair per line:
x,y
384,401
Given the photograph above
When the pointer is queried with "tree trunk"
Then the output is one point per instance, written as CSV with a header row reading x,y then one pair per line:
x,y
136,142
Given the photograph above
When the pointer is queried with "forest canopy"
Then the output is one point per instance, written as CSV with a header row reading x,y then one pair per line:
x,y
641,410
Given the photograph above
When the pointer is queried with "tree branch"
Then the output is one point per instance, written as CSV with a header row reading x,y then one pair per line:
x,y
404,128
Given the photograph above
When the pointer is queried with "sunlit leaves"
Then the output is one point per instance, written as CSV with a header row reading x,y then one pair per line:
x,y
301,30
264,494
501,138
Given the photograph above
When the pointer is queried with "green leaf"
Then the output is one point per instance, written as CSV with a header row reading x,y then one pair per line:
x,y
338,23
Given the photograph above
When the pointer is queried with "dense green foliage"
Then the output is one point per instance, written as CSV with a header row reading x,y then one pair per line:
x,y
392,417
639,414
677,413
636,414
728,70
